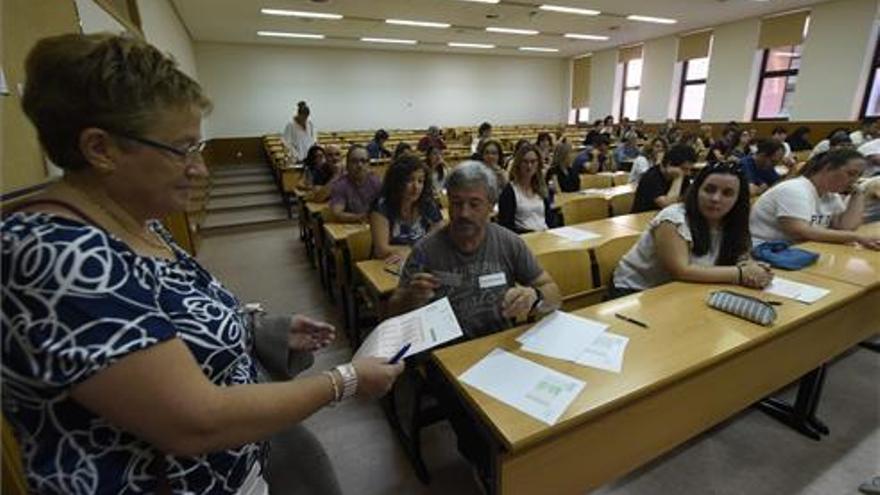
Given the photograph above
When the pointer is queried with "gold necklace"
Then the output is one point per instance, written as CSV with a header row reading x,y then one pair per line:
x,y
152,242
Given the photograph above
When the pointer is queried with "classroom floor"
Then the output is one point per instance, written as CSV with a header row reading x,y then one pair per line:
x,y
749,454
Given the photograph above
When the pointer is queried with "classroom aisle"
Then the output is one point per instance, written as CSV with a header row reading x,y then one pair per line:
x,y
750,454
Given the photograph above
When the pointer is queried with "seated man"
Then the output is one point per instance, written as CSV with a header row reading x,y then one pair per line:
x,y
352,194
433,139
666,183
376,148
488,274
760,168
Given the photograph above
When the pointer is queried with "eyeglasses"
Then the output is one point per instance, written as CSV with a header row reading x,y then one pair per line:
x,y
188,154
731,167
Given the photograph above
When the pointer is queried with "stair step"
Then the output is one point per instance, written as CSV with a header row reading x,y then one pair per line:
x,y
236,190
222,182
250,200
249,216
261,172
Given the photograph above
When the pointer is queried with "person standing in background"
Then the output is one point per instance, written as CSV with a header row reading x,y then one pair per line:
x,y
299,134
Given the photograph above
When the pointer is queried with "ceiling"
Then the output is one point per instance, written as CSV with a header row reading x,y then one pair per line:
x,y
237,21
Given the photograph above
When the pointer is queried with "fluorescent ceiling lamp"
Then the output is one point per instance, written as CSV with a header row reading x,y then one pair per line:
x,y
282,34
482,1
299,13
568,10
655,20
538,49
470,45
586,37
404,22
390,40
528,32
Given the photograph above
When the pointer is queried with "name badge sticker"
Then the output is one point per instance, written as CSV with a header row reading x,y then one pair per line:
x,y
493,280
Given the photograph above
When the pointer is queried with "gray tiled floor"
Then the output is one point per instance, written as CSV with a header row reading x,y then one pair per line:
x,y
750,454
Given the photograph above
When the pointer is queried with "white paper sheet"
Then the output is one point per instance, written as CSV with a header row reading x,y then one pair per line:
x,y
538,391
574,234
423,328
561,335
605,352
796,290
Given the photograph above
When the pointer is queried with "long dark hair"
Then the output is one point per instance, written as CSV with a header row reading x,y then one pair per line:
x,y
309,162
735,237
491,142
398,175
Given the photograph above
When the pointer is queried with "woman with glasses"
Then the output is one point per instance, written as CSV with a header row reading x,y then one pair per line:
x,y
127,367
524,204
812,207
319,172
705,239
651,155
490,153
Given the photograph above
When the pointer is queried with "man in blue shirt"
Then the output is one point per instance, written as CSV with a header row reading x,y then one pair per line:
x,y
760,168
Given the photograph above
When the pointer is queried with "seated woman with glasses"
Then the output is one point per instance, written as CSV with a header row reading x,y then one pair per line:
x,y
812,207
127,367
318,174
490,153
405,210
524,204
705,239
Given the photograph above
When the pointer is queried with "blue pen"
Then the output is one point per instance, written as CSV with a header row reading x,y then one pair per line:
x,y
400,354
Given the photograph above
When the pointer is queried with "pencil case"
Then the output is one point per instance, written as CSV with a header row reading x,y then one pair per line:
x,y
746,307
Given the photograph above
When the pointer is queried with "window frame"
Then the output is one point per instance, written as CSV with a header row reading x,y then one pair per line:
x,y
625,88
872,79
684,84
765,74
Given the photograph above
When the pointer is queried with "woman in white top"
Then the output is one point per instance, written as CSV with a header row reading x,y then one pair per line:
x,y
651,155
299,134
524,204
811,208
705,240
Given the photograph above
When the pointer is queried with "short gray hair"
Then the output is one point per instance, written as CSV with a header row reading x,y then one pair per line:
x,y
471,174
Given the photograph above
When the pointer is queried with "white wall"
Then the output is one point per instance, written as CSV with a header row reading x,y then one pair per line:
x,y
94,19
730,87
255,88
658,71
836,58
163,29
603,75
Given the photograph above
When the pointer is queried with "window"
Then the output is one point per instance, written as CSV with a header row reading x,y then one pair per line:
x,y
583,115
779,73
693,88
632,85
871,105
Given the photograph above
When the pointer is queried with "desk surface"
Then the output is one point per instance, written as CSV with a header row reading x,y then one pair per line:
x,y
542,242
379,280
636,221
338,232
675,345
846,262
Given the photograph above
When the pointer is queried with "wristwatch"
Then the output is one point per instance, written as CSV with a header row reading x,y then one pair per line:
x,y
539,298
349,380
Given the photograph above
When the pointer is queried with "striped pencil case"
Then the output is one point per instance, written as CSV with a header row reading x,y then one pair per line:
x,y
746,307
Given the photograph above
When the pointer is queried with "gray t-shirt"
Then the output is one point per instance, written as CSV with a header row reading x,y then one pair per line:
x,y
475,283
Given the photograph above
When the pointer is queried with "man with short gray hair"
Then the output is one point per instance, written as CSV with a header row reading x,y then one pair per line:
x,y
488,273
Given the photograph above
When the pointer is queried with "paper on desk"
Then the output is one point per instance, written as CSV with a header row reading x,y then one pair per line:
x,y
796,290
540,392
605,352
423,328
561,335
574,234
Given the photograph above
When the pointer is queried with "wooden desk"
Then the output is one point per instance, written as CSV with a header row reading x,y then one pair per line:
x,y
543,242
686,373
848,263
635,221
605,193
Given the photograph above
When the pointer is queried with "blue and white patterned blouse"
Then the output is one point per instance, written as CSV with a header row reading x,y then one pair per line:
x,y
75,301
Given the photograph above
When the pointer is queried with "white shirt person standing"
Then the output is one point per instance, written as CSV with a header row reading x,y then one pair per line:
x,y
299,134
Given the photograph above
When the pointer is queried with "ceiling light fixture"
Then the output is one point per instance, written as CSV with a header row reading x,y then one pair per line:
x,y
404,22
647,18
470,45
527,32
282,34
390,40
568,10
538,49
299,13
592,37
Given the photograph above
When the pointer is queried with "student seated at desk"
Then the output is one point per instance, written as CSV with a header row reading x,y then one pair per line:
x,y
402,148
562,171
651,155
405,210
352,194
524,204
742,145
483,133
376,149
705,239
665,184
811,208
596,159
491,154
839,138
437,169
760,168
870,180
319,172
544,142
799,140
627,151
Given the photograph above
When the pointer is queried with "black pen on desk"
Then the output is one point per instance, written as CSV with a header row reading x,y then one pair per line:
x,y
630,320
400,354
